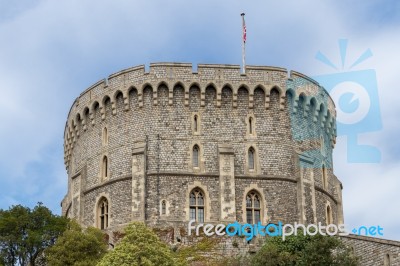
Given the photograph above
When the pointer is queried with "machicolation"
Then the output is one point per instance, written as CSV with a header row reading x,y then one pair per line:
x,y
170,145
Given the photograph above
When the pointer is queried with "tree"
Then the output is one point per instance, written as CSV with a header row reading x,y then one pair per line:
x,y
25,233
139,246
77,246
305,250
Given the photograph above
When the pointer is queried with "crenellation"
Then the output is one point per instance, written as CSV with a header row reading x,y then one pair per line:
x,y
260,133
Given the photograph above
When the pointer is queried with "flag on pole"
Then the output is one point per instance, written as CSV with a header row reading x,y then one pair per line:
x,y
244,44
244,30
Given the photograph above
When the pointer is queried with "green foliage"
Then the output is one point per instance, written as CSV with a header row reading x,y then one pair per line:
x,y
199,252
140,246
305,250
25,233
78,247
233,261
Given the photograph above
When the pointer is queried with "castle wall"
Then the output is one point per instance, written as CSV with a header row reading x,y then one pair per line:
x,y
129,141
119,196
149,123
374,251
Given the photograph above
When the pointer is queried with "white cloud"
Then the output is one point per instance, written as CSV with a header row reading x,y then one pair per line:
x,y
52,50
370,193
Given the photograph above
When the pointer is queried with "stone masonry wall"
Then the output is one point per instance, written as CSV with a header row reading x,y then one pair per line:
x,y
142,125
157,110
374,251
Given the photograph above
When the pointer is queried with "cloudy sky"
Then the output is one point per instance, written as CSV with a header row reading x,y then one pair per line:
x,y
50,51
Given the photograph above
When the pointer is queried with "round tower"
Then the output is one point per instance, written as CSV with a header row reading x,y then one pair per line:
x,y
214,145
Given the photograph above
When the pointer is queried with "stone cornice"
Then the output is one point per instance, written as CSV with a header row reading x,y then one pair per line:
x,y
108,182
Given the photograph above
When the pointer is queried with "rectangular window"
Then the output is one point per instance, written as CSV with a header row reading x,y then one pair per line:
x,y
195,158
192,213
249,216
256,216
102,222
201,215
251,162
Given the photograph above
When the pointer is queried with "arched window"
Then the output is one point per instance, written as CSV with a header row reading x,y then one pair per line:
x,y
387,261
196,123
328,215
352,250
195,158
253,207
251,125
104,168
103,213
105,137
322,141
301,103
324,177
68,212
196,202
321,114
163,207
251,155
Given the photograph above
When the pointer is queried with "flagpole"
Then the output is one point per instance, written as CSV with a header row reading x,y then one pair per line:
x,y
243,44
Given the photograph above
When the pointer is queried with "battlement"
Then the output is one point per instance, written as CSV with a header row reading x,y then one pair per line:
x,y
182,74
145,140
217,75
304,92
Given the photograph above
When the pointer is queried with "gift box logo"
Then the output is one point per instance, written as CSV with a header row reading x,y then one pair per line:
x,y
355,94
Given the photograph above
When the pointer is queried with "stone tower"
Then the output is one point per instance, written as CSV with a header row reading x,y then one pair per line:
x,y
172,144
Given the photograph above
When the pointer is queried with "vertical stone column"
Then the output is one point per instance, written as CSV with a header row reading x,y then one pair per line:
x,y
306,204
313,201
76,195
139,181
300,197
227,183
339,187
